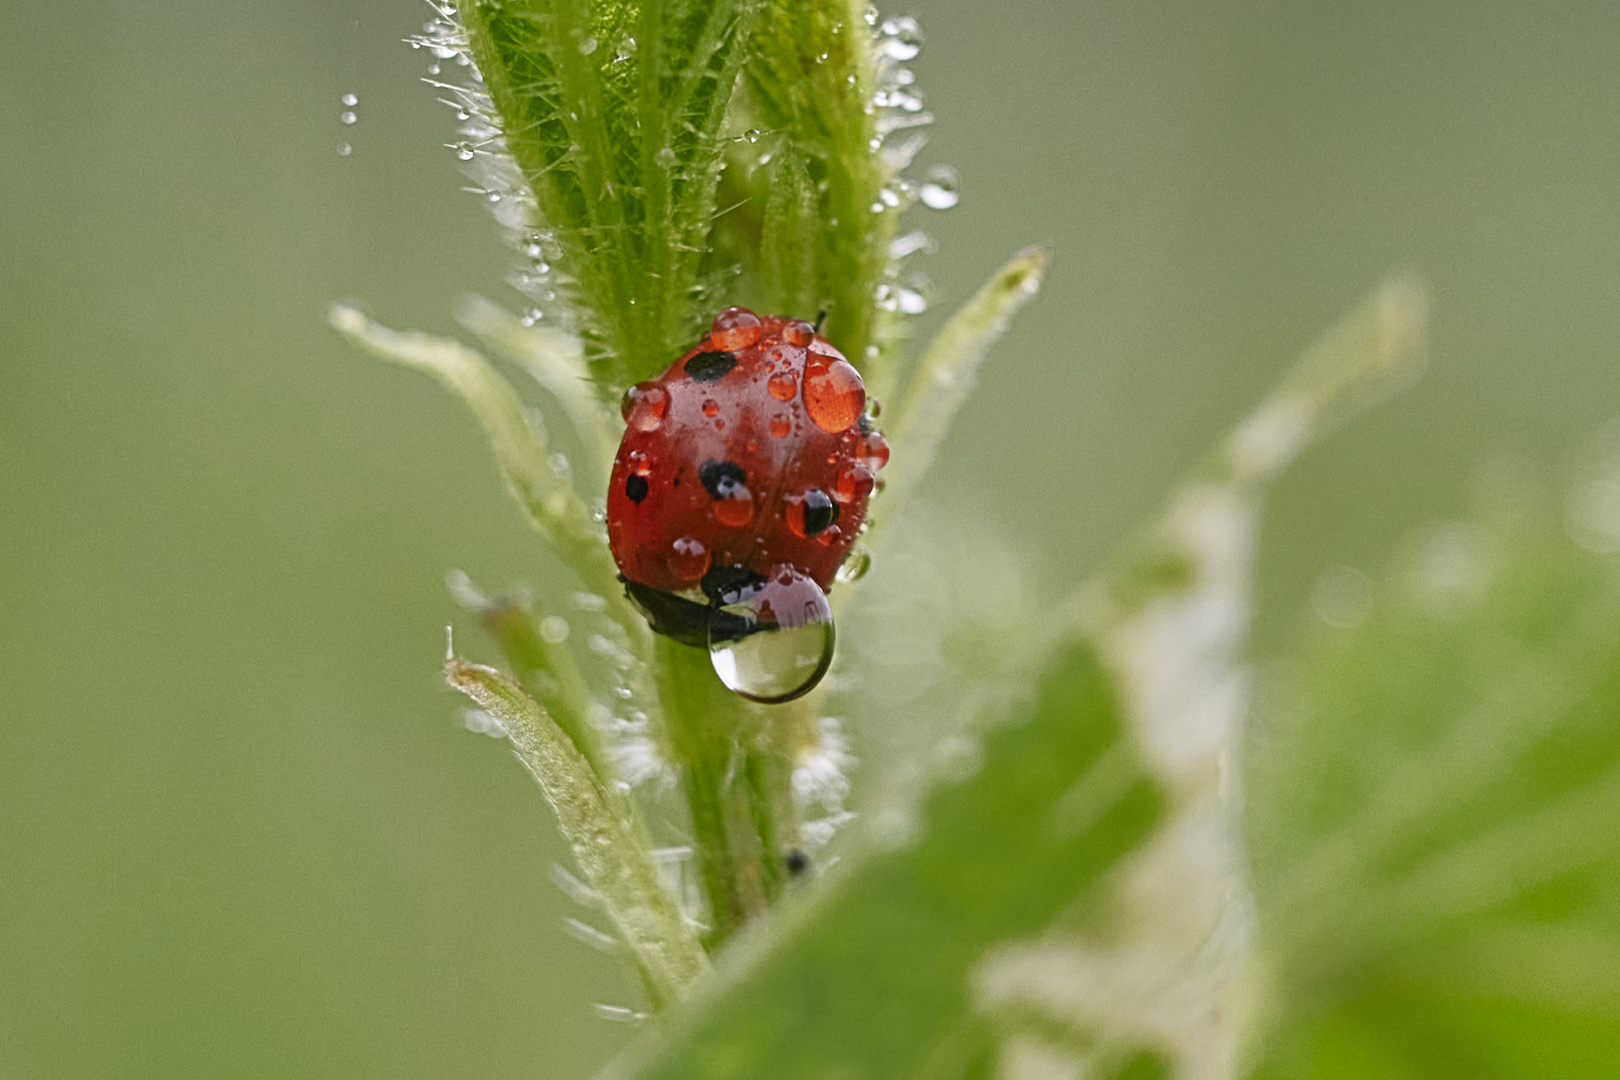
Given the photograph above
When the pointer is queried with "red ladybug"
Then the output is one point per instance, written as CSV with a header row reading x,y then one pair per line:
x,y
751,455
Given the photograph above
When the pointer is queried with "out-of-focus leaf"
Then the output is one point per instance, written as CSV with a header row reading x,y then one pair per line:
x,y
606,846
870,977
520,450
1435,819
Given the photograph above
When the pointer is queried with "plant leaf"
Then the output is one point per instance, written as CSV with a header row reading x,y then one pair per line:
x,y
945,374
612,113
664,948
870,977
1435,817
810,84
520,451
557,362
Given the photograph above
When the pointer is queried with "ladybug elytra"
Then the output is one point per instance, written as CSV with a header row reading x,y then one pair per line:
x,y
741,483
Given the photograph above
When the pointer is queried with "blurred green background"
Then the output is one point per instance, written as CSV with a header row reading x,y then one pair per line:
x,y
242,832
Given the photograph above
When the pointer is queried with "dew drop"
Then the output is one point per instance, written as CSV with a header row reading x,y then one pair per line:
x,y
854,483
874,451
783,386
775,641
854,566
798,332
688,559
833,395
643,406
734,328
736,509
938,190
901,38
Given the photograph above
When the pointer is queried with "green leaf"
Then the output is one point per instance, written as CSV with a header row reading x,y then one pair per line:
x,y
612,113
1435,818
945,376
520,451
870,978
606,846
809,75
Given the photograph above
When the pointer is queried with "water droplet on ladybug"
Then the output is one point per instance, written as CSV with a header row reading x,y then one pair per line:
x,y
643,406
688,559
781,425
783,386
810,513
834,396
854,483
734,328
776,642
874,451
736,509
711,407
798,332
640,463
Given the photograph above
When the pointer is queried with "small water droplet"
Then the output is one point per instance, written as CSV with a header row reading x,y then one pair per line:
x,y
900,38
938,191
665,157
834,396
349,100
688,559
734,328
736,509
774,641
798,332
643,406
783,386
855,565
348,117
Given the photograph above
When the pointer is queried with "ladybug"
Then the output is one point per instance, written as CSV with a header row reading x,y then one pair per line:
x,y
750,460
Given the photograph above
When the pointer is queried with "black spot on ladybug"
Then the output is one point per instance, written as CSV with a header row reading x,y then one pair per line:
x,y
728,584
635,487
710,366
819,511
797,862
721,479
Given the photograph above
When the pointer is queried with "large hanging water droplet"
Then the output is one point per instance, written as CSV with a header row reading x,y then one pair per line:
x,y
774,641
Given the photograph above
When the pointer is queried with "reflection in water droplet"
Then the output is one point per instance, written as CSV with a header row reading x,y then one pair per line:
x,y
938,190
775,642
